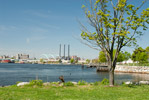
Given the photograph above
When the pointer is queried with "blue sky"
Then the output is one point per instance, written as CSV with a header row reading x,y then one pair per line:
x,y
37,27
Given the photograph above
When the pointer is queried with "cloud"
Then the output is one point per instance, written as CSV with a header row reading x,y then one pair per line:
x,y
37,30
51,26
27,40
37,38
5,29
40,13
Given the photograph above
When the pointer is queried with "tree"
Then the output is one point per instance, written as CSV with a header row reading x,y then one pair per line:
x,y
60,61
72,61
121,56
87,61
76,60
139,55
41,60
114,28
127,55
102,57
95,61
147,51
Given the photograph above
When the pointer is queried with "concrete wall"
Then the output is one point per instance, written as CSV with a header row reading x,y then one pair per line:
x,y
132,69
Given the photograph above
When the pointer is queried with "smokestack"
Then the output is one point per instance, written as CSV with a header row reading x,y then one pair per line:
x,y
60,51
68,51
64,51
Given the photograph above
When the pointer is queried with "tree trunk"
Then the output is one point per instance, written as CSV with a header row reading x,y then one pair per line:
x,y
111,77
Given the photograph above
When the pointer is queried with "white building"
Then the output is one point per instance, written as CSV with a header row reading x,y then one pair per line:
x,y
128,61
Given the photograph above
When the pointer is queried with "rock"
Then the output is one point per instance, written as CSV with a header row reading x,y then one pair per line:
x,y
144,82
22,83
127,83
61,84
75,83
46,84
136,83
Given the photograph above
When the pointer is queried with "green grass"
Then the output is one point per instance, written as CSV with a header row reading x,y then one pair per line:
x,y
79,92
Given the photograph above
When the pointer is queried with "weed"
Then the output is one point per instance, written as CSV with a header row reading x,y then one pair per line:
x,y
36,82
68,84
96,83
105,81
82,82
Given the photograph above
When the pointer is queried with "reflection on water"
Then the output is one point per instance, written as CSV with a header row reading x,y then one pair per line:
x,y
135,77
11,73
138,77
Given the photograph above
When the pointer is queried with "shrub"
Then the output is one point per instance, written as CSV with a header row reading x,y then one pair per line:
x,y
36,82
18,82
131,85
105,81
96,83
81,82
56,83
68,84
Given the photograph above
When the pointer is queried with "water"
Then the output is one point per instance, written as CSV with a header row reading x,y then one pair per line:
x,y
11,73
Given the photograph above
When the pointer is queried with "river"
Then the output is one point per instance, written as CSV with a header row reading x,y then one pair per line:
x,y
11,73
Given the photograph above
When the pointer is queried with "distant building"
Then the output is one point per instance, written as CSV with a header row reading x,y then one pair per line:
x,y
22,56
4,57
128,61
81,61
6,61
1,57
75,58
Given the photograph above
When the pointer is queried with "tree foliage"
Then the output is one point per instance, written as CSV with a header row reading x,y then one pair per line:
x,y
127,55
87,61
140,55
121,56
41,60
147,51
95,61
72,61
102,57
115,27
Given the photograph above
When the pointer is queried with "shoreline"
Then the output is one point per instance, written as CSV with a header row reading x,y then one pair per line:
x,y
132,69
145,82
126,69
132,72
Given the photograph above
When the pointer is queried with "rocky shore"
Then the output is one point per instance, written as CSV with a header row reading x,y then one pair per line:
x,y
132,69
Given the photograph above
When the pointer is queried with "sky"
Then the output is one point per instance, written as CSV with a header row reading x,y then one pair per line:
x,y
37,27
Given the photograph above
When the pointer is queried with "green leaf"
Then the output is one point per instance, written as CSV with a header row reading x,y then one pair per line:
x,y
83,6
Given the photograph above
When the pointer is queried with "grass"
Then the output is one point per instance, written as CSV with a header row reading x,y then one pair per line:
x,y
77,92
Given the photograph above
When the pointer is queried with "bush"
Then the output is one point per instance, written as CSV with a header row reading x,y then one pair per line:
x,y
56,83
105,81
131,85
96,83
81,82
18,82
68,84
36,82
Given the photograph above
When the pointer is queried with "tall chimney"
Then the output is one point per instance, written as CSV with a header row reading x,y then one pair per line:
x,y
64,51
60,51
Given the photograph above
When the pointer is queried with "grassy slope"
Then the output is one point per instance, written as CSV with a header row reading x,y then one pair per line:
x,y
75,93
